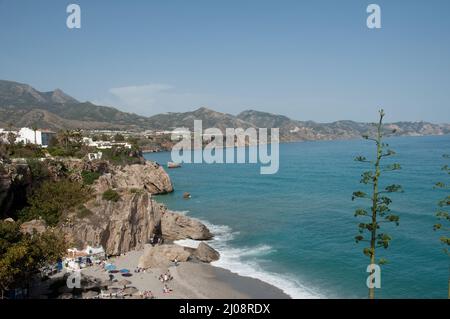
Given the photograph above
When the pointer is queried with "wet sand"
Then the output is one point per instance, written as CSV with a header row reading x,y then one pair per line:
x,y
190,281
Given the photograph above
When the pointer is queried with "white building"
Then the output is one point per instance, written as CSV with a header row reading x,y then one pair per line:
x,y
28,135
104,144
78,259
177,133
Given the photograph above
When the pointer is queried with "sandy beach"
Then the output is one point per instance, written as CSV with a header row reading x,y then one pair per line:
x,y
191,280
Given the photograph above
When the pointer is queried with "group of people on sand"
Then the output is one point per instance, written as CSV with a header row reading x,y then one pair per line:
x,y
139,269
166,277
147,294
166,289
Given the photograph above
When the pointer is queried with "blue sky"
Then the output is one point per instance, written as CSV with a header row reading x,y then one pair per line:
x,y
310,60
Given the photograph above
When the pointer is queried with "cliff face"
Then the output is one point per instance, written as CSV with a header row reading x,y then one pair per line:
x,y
150,177
15,181
119,226
130,223
133,220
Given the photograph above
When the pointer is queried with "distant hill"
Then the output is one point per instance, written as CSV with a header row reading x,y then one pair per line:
x,y
210,118
22,105
309,130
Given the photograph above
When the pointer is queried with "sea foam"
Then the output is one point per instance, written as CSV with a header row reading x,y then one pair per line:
x,y
232,259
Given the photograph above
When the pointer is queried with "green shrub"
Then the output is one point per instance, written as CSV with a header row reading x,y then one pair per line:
x,y
9,235
21,255
38,169
51,199
57,151
21,150
83,212
111,195
121,156
90,177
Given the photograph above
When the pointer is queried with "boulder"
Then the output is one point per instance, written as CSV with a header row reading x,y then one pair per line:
x,y
162,256
176,226
149,176
9,220
33,226
206,253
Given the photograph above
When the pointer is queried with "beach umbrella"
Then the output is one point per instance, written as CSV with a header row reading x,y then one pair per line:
x,y
130,291
90,294
110,267
124,271
123,282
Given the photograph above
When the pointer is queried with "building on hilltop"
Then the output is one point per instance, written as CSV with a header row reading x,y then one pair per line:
x,y
29,136
102,145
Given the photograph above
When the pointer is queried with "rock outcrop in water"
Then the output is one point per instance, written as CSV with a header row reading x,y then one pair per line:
x,y
176,226
205,253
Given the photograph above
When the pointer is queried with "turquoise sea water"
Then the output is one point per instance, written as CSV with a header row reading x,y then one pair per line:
x,y
296,229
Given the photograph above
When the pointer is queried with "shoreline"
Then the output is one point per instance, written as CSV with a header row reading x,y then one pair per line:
x,y
191,280
300,141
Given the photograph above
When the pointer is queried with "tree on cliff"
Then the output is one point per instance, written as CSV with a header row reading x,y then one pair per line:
x,y
379,211
51,199
443,216
21,254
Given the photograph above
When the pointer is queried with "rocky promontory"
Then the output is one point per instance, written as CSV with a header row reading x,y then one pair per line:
x,y
149,177
129,220
135,218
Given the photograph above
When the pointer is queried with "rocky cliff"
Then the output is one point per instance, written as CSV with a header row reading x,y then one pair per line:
x,y
15,182
118,225
130,222
150,177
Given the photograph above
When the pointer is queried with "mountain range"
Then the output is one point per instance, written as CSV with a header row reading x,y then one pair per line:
x,y
22,105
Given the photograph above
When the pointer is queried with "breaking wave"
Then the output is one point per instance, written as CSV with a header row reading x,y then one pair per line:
x,y
244,261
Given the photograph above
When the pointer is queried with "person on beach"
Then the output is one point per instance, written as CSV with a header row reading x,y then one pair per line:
x,y
166,289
